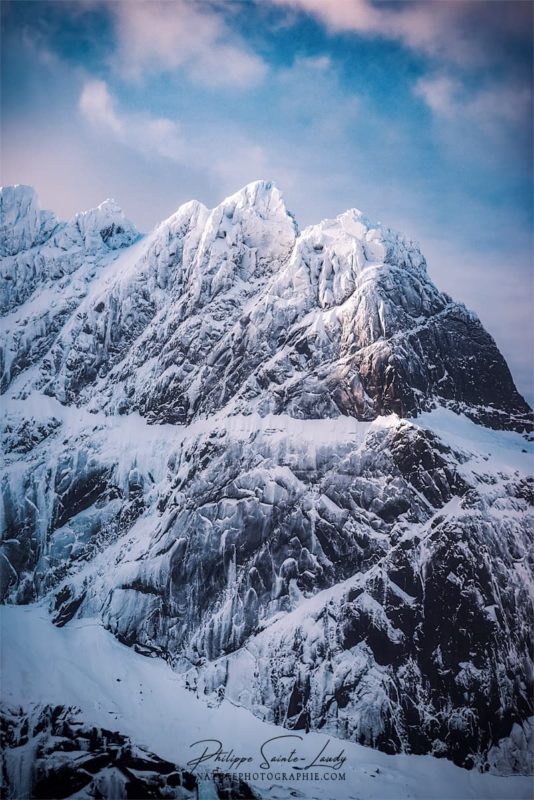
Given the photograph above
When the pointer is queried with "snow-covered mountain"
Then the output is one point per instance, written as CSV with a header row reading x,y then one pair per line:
x,y
283,461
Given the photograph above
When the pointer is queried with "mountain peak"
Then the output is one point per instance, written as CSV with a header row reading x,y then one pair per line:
x,y
251,233
376,243
22,223
256,189
109,205
105,223
18,192
264,197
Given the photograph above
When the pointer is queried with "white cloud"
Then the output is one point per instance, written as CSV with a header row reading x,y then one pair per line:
x,y
160,36
490,107
439,94
503,103
152,135
314,63
226,154
96,104
419,26
459,31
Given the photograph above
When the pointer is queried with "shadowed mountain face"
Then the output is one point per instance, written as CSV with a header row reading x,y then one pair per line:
x,y
284,461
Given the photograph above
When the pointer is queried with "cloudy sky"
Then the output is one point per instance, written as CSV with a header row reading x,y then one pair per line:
x,y
418,113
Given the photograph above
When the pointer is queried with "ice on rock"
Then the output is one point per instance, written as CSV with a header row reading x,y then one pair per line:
x,y
104,224
247,235
22,223
329,258
49,272
284,461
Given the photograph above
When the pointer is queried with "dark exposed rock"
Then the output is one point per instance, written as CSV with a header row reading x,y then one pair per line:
x,y
70,756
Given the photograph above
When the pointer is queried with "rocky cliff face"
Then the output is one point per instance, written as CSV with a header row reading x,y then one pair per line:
x,y
284,461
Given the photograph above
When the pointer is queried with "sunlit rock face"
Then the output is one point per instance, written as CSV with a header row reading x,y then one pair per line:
x,y
283,460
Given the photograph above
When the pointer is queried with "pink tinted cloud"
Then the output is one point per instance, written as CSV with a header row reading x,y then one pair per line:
x,y
97,105
139,131
487,107
154,35
460,31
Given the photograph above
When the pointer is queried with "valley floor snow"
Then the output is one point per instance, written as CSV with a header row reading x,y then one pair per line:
x,y
83,665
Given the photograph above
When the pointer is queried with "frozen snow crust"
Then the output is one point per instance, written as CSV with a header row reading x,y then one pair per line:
x,y
282,461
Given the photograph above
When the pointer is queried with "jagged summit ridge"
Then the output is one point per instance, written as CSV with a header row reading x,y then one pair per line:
x,y
23,225
235,308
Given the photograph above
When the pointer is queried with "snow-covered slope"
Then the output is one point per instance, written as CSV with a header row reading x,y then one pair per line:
x,y
116,689
283,461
